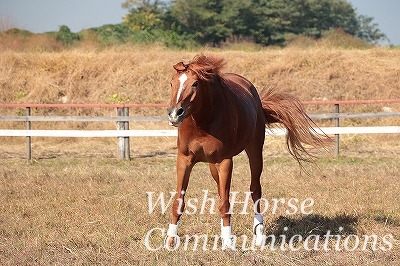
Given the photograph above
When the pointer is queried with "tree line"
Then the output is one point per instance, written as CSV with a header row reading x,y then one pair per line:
x,y
266,22
193,23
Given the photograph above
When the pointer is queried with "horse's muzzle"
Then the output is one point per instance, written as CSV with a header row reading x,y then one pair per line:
x,y
175,115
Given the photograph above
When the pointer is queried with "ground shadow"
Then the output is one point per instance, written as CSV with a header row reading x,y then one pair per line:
x,y
318,225
386,220
152,154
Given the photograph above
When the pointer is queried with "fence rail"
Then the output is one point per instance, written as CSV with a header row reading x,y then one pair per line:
x,y
158,105
84,118
165,118
122,121
173,132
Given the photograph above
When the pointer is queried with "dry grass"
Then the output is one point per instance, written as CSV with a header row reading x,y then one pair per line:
x,y
95,211
142,74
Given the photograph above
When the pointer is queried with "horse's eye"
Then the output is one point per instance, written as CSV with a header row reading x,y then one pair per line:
x,y
195,84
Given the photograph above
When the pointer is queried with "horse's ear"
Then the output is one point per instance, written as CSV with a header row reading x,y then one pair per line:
x,y
180,67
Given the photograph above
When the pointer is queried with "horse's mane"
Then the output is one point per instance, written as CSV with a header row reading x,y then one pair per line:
x,y
206,67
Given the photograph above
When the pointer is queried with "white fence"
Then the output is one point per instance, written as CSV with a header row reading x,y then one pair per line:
x,y
123,133
174,132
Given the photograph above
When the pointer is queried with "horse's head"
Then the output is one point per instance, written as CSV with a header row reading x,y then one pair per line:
x,y
189,86
184,95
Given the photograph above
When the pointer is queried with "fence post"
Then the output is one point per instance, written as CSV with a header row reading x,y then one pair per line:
x,y
337,124
28,138
126,139
123,141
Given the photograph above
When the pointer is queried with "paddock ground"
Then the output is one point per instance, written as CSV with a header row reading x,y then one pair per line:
x,y
74,203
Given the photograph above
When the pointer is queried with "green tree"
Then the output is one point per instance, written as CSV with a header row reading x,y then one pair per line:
x,y
317,16
202,18
275,18
66,36
113,33
265,21
152,21
369,31
272,19
144,14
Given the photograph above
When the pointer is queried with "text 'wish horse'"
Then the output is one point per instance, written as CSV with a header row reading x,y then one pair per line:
x,y
219,115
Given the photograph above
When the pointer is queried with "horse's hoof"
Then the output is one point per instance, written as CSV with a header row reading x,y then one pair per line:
x,y
260,240
227,243
258,231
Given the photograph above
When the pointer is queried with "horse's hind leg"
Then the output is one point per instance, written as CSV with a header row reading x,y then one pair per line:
x,y
254,153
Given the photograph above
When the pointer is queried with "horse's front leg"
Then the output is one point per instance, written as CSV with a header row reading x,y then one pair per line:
x,y
184,167
224,183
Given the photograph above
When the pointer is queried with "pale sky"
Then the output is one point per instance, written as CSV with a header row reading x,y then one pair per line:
x,y
47,15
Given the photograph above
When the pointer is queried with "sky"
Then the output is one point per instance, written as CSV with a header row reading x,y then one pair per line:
x,y
48,15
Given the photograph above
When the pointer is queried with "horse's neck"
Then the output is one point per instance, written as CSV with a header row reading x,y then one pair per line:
x,y
213,103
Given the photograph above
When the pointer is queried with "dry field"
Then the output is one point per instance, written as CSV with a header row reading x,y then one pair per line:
x,y
96,211
76,204
142,74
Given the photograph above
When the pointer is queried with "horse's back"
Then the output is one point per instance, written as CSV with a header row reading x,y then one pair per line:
x,y
242,88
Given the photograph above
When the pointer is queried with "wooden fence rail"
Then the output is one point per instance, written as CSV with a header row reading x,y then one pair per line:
x,y
122,120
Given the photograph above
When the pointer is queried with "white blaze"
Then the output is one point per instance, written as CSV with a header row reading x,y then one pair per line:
x,y
182,80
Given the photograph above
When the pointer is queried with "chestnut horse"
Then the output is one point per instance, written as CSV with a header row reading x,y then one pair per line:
x,y
219,115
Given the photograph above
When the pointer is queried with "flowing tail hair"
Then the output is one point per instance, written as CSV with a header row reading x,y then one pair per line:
x,y
287,110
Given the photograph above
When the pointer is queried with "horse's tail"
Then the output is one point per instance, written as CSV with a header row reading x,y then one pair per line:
x,y
286,109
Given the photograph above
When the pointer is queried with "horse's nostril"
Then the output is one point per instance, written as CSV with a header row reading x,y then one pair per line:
x,y
179,112
169,110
